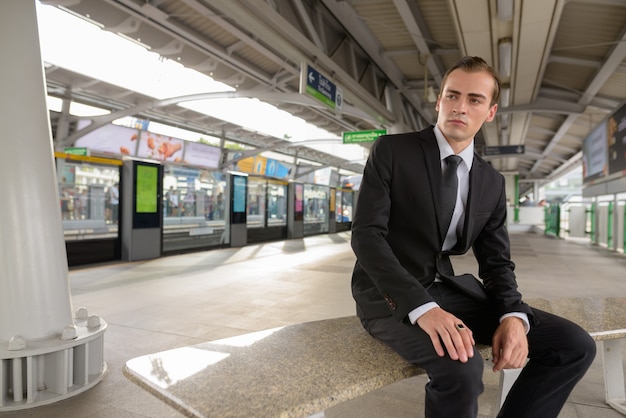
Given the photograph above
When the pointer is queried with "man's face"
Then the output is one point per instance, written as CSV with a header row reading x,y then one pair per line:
x,y
464,105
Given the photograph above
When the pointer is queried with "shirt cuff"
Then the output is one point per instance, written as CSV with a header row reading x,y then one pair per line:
x,y
520,315
421,310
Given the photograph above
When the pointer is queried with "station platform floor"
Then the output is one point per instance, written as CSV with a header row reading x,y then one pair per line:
x,y
188,299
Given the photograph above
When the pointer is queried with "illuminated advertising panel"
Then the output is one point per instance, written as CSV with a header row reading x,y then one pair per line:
x,y
160,147
299,202
147,186
616,132
203,155
595,164
111,139
239,190
147,192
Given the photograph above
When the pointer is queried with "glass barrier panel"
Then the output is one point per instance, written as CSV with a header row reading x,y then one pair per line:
x,y
257,189
89,199
344,205
193,208
277,203
316,205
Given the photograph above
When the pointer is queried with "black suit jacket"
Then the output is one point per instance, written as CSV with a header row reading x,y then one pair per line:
x,y
397,233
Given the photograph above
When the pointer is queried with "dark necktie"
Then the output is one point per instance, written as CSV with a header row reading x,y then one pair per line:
x,y
449,189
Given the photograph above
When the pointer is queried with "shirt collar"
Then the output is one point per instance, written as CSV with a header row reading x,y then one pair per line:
x,y
445,150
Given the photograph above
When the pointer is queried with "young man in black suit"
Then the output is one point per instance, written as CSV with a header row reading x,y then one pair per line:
x,y
406,291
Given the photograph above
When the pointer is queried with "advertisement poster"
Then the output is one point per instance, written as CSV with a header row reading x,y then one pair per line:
x,y
244,165
259,165
322,176
299,197
147,195
202,155
263,166
617,141
160,147
595,164
239,194
275,169
111,139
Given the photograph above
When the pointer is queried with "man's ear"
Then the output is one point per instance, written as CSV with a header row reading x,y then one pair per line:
x,y
492,113
437,104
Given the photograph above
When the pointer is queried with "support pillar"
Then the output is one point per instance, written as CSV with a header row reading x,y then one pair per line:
x,y
512,198
36,320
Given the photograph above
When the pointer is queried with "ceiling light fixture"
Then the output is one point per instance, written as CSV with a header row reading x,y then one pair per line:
x,y
505,95
505,48
505,10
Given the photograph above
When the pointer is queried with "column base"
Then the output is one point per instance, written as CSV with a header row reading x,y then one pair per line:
x,y
52,369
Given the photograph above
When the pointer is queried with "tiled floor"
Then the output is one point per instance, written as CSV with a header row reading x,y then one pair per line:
x,y
188,299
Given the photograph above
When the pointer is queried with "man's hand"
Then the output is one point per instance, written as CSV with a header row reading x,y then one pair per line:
x,y
510,345
444,327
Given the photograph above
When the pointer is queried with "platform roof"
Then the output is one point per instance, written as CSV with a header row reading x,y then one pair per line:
x,y
563,65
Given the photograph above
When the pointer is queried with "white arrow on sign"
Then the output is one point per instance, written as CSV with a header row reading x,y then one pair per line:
x,y
311,77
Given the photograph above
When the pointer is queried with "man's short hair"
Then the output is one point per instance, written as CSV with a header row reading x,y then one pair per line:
x,y
474,64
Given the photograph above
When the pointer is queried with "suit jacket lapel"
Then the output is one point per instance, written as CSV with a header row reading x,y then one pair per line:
x,y
432,161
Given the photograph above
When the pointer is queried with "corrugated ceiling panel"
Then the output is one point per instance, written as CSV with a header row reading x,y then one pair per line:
x,y
204,25
436,14
587,31
615,87
410,66
382,18
568,76
198,23
543,122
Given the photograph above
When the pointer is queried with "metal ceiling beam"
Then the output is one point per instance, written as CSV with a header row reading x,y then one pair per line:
x,y
295,98
274,147
358,30
148,14
274,30
535,24
614,60
409,15
308,25
545,105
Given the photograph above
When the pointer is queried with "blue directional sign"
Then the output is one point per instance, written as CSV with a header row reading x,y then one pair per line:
x,y
504,150
318,86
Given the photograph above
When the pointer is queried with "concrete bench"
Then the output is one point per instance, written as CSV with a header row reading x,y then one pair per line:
x,y
304,369
293,371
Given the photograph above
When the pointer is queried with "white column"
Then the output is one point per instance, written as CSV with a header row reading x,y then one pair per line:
x,y
34,289
509,182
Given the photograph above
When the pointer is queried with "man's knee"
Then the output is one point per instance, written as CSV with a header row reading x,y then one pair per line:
x,y
453,373
586,348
